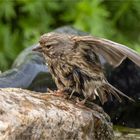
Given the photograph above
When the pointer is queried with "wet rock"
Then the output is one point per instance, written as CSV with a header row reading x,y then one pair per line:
x,y
29,71
126,78
25,115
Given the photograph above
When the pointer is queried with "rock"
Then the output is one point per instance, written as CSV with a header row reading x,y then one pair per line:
x,y
70,30
29,71
25,115
126,78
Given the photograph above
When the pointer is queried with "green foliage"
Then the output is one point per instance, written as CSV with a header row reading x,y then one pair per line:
x,y
23,21
91,16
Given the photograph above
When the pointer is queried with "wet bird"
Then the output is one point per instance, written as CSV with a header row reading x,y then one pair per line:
x,y
75,65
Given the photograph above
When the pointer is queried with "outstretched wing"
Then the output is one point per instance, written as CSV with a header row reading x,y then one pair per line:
x,y
113,53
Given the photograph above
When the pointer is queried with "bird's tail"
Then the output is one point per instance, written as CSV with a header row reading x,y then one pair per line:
x,y
107,90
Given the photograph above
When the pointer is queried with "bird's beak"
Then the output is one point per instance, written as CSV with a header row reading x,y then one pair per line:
x,y
38,49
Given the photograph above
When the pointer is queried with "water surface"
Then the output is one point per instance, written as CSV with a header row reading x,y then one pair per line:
x,y
124,133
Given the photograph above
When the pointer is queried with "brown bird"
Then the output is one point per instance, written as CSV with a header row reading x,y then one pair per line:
x,y
75,65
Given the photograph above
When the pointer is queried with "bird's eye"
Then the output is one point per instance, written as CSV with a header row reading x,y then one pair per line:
x,y
48,46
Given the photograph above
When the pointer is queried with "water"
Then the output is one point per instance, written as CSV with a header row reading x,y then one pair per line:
x,y
124,133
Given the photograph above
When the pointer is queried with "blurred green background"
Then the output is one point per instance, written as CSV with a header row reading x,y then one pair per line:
x,y
23,21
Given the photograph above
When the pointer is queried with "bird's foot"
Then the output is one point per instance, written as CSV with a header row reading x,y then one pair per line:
x,y
59,93
80,103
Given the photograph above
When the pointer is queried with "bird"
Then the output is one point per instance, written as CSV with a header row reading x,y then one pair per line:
x,y
75,66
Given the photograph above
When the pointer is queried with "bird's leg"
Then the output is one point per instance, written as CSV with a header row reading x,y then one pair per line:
x,y
59,92
62,92
71,94
81,102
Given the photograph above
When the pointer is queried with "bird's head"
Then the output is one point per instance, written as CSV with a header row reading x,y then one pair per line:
x,y
54,45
